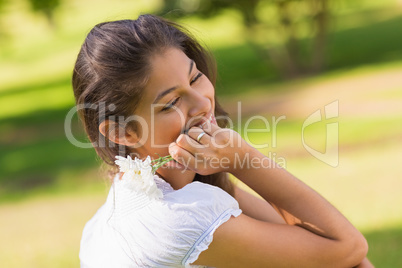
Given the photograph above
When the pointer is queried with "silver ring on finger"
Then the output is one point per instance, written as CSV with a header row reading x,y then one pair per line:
x,y
200,136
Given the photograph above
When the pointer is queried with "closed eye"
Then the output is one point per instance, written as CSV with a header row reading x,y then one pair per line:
x,y
196,78
174,102
170,105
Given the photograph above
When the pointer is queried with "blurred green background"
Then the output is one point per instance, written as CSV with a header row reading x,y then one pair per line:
x,y
49,188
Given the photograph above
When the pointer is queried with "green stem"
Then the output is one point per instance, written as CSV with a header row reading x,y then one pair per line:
x,y
157,163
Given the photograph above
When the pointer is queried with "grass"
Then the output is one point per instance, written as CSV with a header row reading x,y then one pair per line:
x,y
49,188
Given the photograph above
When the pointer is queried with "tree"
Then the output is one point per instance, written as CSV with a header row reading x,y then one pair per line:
x,y
47,7
3,34
280,38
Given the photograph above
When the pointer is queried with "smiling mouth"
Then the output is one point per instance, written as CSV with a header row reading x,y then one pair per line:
x,y
202,123
210,120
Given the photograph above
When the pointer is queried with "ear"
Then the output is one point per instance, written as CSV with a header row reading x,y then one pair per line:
x,y
117,134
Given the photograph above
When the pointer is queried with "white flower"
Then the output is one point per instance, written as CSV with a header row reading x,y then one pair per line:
x,y
138,176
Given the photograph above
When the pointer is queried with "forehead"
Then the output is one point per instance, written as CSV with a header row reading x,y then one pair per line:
x,y
168,69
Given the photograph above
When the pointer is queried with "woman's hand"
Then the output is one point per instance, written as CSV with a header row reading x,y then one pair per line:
x,y
215,151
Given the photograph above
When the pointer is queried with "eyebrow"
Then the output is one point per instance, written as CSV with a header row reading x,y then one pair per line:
x,y
191,67
167,91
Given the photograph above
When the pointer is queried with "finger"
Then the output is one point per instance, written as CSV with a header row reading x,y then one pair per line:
x,y
179,154
182,156
218,137
197,134
188,143
210,128
193,157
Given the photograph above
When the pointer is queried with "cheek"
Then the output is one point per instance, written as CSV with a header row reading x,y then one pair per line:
x,y
168,128
209,90
207,85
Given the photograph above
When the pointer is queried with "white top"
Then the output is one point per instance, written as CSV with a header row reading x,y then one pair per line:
x,y
132,230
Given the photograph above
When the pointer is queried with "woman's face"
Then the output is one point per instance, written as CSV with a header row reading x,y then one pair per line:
x,y
177,97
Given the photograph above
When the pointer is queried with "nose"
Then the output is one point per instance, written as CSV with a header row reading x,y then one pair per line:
x,y
200,104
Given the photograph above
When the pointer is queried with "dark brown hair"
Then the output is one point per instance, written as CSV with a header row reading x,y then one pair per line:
x,y
112,70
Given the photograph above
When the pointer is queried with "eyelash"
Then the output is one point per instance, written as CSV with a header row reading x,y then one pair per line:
x,y
172,104
196,78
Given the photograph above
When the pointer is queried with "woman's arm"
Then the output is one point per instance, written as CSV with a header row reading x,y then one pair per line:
x,y
295,201
316,234
302,207
260,209
256,208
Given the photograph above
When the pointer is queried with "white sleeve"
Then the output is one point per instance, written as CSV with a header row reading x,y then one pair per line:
x,y
201,209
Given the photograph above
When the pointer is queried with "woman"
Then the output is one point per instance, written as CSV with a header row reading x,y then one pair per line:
x,y
147,88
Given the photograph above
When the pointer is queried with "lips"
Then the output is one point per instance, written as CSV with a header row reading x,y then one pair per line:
x,y
201,123
211,119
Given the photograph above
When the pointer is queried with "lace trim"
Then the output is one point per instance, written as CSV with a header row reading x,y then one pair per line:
x,y
206,238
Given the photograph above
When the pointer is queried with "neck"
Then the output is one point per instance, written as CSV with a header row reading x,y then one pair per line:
x,y
179,178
